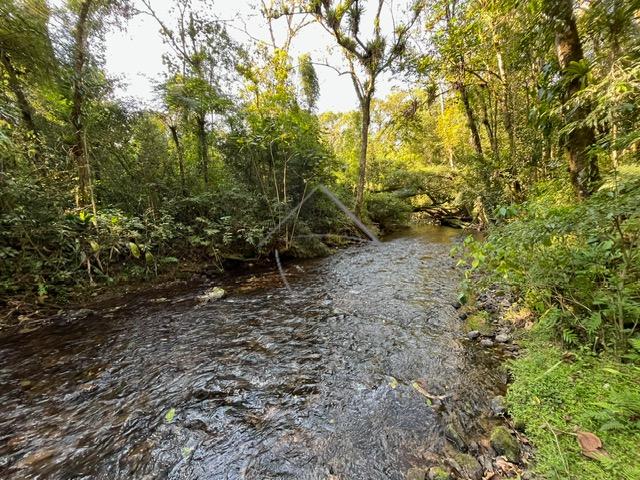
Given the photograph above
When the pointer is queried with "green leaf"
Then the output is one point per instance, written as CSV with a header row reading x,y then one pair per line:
x,y
170,415
135,250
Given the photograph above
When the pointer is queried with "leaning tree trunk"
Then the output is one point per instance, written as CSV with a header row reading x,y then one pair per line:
x,y
26,110
471,118
365,109
583,165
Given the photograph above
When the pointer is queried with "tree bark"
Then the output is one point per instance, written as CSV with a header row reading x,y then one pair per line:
x,y
506,106
203,147
365,110
583,166
471,118
180,154
26,110
78,149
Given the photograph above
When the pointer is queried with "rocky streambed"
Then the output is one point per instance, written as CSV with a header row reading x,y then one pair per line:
x,y
361,369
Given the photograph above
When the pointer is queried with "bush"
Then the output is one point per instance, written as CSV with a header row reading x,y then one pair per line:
x,y
576,265
388,211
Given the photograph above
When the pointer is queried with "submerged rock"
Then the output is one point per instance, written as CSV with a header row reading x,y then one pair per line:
x,y
497,405
416,474
505,444
454,437
81,314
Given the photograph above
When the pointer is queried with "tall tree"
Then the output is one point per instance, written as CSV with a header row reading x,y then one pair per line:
x,y
367,58
203,57
583,164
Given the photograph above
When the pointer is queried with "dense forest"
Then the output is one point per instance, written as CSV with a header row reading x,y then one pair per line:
x,y
519,118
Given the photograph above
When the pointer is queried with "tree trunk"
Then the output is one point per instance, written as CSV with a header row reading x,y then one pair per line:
x,y
583,166
203,147
180,154
365,110
489,127
23,103
506,106
78,149
471,118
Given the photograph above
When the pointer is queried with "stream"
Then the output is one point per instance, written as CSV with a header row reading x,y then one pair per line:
x,y
326,380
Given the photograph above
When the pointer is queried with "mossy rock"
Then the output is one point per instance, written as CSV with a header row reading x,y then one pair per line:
x,y
479,321
438,473
505,444
467,465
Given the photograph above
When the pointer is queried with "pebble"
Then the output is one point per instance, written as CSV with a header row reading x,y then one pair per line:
x,y
502,338
485,342
473,334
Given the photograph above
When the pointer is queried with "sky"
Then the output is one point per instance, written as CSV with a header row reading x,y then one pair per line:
x,y
135,55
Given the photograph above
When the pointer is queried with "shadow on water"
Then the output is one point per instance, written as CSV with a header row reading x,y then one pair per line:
x,y
314,384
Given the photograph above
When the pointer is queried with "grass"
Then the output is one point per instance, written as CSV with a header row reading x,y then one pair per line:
x,y
556,393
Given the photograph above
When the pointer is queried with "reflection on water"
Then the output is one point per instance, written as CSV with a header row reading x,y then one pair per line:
x,y
264,384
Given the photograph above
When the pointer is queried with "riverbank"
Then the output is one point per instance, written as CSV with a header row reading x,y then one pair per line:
x,y
562,279
577,409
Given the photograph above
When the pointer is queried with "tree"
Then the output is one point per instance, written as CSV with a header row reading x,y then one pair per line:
x,y
367,58
203,57
583,164
26,58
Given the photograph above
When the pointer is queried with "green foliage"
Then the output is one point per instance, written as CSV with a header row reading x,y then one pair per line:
x,y
387,211
555,394
576,265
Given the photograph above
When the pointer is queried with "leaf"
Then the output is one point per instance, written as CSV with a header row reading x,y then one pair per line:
x,y
148,256
135,251
591,445
393,383
170,415
95,246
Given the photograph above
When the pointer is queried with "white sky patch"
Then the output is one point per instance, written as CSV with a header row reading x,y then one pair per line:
x,y
135,54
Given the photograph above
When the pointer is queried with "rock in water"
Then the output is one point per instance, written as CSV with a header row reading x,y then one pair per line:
x,y
466,465
211,295
503,442
438,473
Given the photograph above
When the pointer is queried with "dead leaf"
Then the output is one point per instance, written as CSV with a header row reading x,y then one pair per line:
x,y
506,466
421,390
591,445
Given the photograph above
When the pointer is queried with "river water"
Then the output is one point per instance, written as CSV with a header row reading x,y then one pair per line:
x,y
323,381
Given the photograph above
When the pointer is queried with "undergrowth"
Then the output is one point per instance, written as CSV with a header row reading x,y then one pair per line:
x,y
577,267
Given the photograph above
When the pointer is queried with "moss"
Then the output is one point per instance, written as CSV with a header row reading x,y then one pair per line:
x,y
479,321
505,444
438,473
555,393
469,466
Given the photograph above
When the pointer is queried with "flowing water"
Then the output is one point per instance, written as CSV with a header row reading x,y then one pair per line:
x,y
323,381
